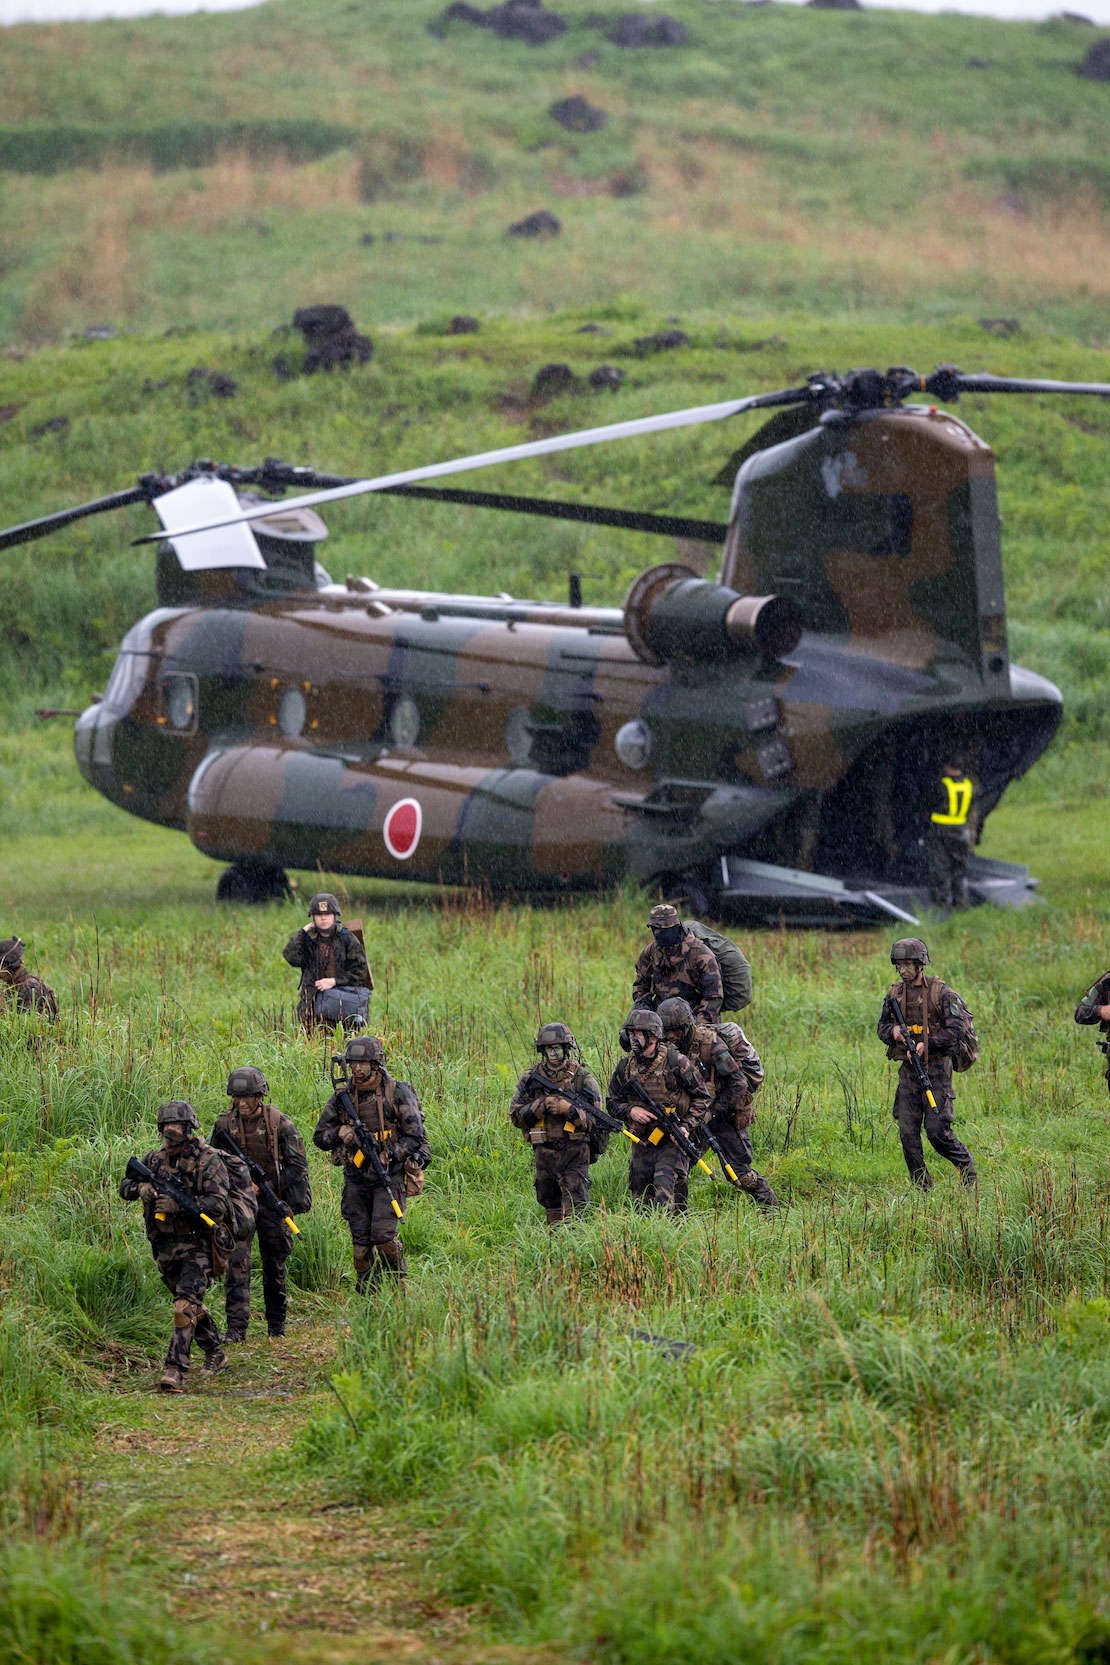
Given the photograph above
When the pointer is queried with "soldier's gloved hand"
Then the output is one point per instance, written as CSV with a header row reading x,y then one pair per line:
x,y
147,1192
165,1205
348,1137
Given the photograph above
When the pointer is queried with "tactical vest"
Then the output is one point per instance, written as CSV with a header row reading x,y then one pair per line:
x,y
257,1137
378,1111
555,1128
959,803
658,1079
185,1174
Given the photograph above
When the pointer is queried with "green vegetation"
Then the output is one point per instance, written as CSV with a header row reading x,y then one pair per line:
x,y
890,1437
881,164
888,1441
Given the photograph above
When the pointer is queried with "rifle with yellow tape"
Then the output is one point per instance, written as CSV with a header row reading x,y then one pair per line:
x,y
366,1146
666,1124
267,1196
142,1175
919,1069
578,1101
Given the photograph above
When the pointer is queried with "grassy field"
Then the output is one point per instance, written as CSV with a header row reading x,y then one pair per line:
x,y
881,165
870,1428
887,1439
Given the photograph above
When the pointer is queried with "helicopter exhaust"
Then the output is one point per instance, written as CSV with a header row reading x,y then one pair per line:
x,y
671,613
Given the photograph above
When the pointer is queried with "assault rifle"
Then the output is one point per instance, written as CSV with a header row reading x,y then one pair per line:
x,y
142,1175
715,1147
593,1112
919,1069
267,1196
366,1145
667,1118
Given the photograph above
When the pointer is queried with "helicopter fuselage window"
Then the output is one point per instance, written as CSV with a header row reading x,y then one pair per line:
x,y
179,702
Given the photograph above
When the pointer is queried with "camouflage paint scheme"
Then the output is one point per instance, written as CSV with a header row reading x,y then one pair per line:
x,y
285,729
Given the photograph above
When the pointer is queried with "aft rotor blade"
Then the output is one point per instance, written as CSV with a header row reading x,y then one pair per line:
x,y
32,529
629,520
515,453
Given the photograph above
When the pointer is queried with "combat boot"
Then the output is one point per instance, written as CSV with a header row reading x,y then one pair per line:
x,y
232,1338
173,1380
214,1362
555,1216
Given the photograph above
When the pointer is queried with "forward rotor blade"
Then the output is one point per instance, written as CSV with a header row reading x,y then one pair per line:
x,y
32,529
515,453
1008,384
629,520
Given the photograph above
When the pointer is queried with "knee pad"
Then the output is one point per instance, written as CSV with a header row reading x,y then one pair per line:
x,y
363,1257
391,1251
749,1180
185,1312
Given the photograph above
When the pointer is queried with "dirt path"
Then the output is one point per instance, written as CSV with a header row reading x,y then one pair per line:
x,y
272,1555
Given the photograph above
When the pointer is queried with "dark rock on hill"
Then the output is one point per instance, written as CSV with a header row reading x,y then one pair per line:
x,y
578,115
552,379
1096,65
540,224
606,376
526,20
662,341
638,29
331,338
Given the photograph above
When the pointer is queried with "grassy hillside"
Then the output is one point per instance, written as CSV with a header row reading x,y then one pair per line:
x,y
877,163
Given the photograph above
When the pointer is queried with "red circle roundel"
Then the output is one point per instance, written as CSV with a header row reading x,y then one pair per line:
x,y
401,830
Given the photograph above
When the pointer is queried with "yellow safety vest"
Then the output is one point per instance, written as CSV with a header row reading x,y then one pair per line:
x,y
959,802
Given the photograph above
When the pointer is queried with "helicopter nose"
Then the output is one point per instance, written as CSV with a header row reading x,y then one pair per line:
x,y
93,734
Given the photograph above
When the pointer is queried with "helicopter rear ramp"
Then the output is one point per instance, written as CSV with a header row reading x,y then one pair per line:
x,y
760,893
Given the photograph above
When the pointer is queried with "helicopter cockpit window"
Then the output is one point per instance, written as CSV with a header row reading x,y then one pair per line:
x,y
179,702
875,523
129,674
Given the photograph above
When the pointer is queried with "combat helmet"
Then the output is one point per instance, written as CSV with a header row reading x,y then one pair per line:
x,y
364,1049
909,948
555,1034
325,902
177,1110
675,1013
648,1023
247,1082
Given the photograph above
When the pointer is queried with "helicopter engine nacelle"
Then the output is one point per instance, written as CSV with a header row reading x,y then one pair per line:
x,y
671,613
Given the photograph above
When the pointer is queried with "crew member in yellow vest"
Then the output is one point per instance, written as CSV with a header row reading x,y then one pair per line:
x,y
949,843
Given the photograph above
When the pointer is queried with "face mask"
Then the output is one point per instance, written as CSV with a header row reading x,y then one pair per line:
x,y
668,937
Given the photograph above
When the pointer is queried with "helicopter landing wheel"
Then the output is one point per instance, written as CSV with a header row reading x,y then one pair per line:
x,y
690,892
253,882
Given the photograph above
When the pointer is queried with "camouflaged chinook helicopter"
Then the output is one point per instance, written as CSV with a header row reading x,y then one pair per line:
x,y
757,745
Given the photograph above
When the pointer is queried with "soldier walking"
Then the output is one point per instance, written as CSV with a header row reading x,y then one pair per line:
x,y
1095,1008
189,1254
270,1140
389,1112
677,963
18,987
730,1067
335,977
932,1013
543,1108
658,1168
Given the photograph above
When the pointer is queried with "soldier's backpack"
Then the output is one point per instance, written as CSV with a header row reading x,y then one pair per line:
x,y
736,973
598,1136
242,1204
967,1044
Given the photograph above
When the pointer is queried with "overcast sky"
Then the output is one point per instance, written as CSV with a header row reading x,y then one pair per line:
x,y
56,11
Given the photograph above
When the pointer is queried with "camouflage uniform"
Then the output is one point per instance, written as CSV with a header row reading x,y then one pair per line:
x,y
182,1247
18,988
733,1074
271,1140
927,1009
391,1110
558,1134
336,953
685,969
1088,1012
657,1173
